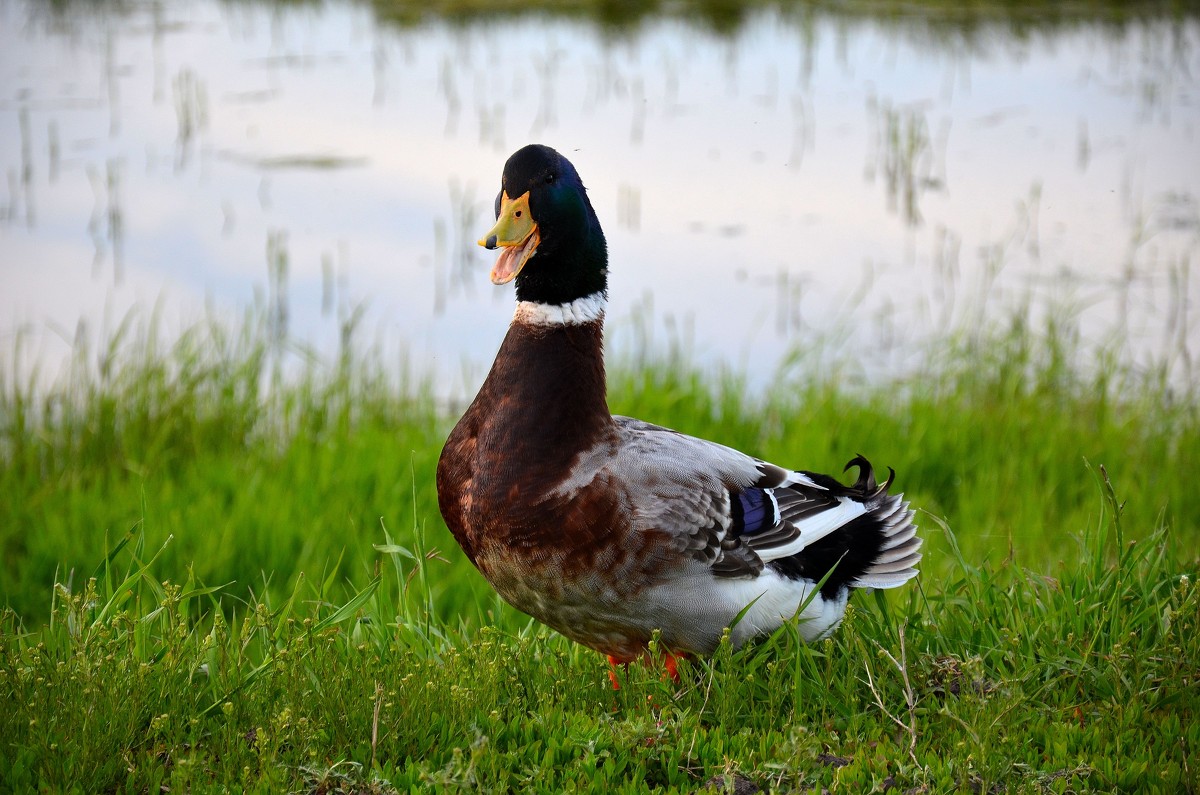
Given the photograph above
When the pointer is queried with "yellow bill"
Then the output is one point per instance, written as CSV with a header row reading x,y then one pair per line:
x,y
515,232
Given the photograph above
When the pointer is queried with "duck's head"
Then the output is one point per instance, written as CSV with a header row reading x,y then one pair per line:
x,y
550,238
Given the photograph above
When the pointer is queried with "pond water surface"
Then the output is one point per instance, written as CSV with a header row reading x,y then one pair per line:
x,y
869,184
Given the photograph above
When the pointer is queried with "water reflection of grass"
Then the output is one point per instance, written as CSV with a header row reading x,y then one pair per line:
x,y
350,643
904,155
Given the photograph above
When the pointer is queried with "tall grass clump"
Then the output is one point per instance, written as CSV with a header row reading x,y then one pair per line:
x,y
997,431
260,461
265,464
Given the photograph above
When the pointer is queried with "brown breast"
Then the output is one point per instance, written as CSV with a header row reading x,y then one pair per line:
x,y
541,404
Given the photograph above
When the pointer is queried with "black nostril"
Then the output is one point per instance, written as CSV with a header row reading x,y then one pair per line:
x,y
490,243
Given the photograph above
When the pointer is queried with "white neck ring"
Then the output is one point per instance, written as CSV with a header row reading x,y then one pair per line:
x,y
588,309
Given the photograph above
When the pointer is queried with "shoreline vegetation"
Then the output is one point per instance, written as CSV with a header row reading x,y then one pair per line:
x,y
933,20
937,18
224,569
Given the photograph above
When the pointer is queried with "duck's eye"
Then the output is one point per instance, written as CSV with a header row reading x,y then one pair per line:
x,y
549,178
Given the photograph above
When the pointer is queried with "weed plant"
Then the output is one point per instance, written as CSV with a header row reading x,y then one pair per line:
x,y
224,570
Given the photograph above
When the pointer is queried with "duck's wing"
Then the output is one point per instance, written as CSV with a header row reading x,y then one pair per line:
x,y
738,514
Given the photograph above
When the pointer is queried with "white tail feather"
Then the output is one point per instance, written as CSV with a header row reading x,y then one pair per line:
x,y
898,554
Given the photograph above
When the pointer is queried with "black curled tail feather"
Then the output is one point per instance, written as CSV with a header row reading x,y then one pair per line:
x,y
878,549
864,489
866,484
866,474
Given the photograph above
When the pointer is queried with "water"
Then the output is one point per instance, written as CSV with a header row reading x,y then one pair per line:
x,y
859,184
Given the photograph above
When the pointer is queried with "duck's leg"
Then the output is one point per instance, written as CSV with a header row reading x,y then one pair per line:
x,y
613,662
670,663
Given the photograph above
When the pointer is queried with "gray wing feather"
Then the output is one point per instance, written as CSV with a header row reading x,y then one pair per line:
x,y
684,485
685,488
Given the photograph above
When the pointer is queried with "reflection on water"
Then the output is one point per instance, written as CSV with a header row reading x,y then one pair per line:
x,y
867,182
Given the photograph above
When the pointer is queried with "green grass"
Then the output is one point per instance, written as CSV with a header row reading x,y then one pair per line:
x,y
223,577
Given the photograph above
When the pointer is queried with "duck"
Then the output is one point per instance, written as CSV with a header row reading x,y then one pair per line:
x,y
616,532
